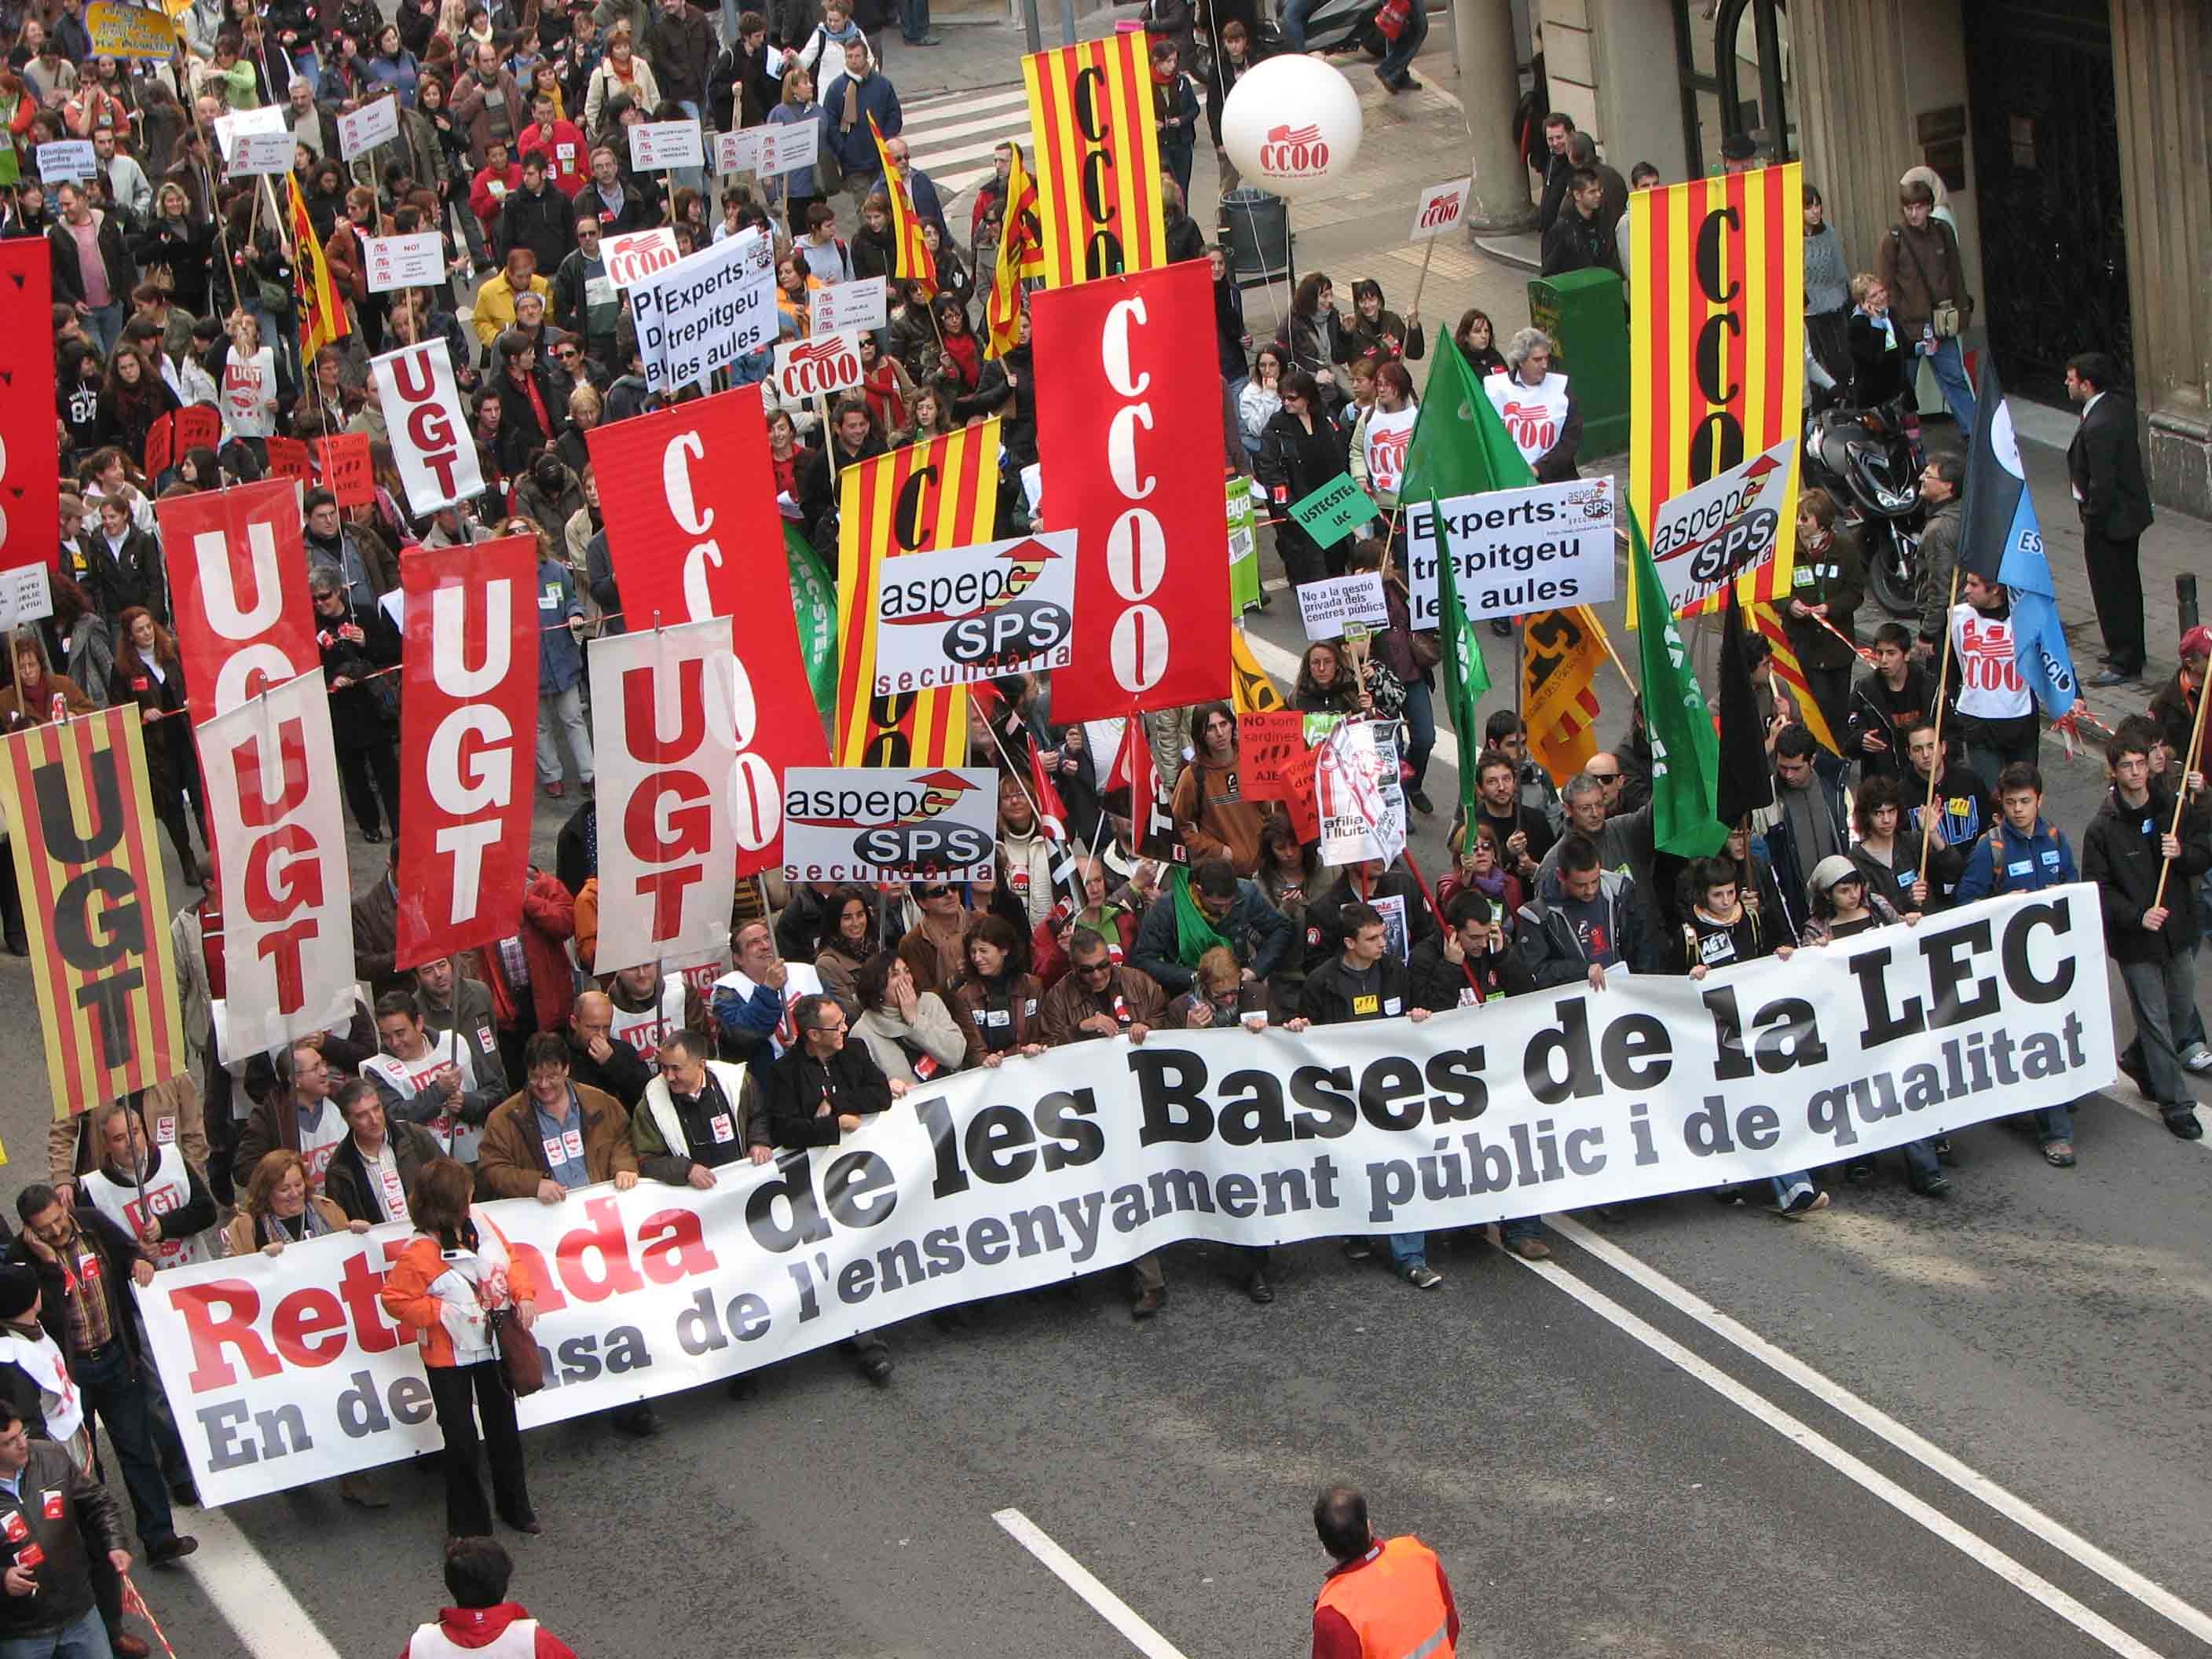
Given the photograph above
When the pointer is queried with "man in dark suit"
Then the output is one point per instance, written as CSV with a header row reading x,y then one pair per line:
x,y
2105,462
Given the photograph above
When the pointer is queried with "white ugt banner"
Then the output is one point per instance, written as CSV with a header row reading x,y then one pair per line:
x,y
272,782
664,725
430,435
285,1370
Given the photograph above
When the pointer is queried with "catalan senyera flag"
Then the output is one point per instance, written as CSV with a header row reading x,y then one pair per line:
x,y
914,260
919,498
1251,689
1098,198
322,308
1792,673
1561,653
1717,341
82,833
1021,255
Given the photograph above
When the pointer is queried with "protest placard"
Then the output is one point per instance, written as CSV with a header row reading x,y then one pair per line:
x,y
1543,548
840,306
705,312
1334,511
347,471
117,30
1327,607
658,146
360,131
636,254
1271,744
66,160
417,261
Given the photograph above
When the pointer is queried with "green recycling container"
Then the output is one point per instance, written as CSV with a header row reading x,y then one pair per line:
x,y
1586,314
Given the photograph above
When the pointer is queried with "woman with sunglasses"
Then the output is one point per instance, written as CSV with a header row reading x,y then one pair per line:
x,y
1300,450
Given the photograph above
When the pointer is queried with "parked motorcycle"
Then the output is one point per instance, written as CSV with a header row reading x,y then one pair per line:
x,y
1333,27
1869,460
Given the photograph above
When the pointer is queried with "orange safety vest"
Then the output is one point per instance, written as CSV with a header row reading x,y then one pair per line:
x,y
1393,1602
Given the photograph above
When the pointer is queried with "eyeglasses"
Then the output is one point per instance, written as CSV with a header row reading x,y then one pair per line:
x,y
1103,965
932,892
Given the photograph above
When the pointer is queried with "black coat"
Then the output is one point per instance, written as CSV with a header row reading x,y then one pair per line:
x,y
67,271
117,1250
2105,462
1880,372
2121,856
544,223
364,713
1439,983
795,1086
1328,1000
1322,941
520,434
349,1184
116,578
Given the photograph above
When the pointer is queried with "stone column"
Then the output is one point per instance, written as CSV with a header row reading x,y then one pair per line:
x,y
2161,67
1489,88
1855,131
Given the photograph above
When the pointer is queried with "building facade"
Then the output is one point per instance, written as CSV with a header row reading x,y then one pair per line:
x,y
2072,135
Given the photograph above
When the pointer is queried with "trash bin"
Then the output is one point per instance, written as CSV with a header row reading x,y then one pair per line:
x,y
1259,235
1583,312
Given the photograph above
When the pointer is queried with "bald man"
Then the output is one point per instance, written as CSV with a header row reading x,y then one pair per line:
x,y
597,1057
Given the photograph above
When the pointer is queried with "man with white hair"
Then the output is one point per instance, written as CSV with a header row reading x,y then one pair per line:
x,y
1539,412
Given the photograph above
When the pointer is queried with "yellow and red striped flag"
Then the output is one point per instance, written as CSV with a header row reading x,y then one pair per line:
x,y
88,857
322,308
1561,651
914,260
919,498
1716,342
1021,255
1792,673
1098,159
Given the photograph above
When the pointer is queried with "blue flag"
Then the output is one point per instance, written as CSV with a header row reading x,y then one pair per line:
x,y
2002,542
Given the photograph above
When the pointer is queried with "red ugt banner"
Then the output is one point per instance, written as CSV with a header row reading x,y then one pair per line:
x,y
1137,473
30,493
238,574
693,530
468,712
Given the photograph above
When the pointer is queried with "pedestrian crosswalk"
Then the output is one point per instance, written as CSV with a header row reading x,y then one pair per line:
x,y
952,136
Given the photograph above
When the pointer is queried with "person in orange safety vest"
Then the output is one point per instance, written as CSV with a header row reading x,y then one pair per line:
x,y
1385,1599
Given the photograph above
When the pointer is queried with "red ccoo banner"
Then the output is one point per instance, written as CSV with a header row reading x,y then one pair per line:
x,y
693,530
238,574
1134,468
468,712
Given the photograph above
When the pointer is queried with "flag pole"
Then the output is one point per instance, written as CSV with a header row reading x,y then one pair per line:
x,y
1414,309
1605,639
2181,791
1942,681
1438,911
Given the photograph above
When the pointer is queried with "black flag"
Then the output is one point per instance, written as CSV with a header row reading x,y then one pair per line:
x,y
1745,784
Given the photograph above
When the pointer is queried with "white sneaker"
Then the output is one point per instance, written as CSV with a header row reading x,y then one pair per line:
x,y
2197,1058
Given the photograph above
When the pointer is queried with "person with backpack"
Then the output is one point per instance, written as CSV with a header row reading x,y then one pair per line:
x,y
1928,304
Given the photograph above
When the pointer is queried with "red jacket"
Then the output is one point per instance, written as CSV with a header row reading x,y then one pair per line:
x,y
567,162
479,1627
485,205
549,917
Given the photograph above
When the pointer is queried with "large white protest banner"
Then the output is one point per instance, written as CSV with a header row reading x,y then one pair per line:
x,y
285,1370
706,311
973,613
1516,550
882,823
1723,528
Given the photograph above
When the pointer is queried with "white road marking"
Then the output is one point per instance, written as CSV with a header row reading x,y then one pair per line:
x,y
1078,1578
1928,1455
268,1621
929,109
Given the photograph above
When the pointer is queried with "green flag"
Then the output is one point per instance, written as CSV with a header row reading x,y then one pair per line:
x,y
1459,447
1686,752
814,602
1466,675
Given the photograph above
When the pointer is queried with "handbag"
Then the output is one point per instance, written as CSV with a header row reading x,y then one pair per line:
x,y
521,1363
1428,651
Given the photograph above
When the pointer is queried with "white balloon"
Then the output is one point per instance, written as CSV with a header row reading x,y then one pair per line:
x,y
1292,125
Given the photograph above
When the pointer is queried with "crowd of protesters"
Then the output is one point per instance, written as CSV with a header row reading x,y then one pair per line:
x,y
526,1071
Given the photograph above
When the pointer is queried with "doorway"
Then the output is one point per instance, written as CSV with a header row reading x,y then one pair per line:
x,y
2047,179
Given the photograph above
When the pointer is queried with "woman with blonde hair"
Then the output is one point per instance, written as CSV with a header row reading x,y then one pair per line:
x,y
456,1279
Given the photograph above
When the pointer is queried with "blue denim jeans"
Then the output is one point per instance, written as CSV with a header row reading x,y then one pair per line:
x,y
1294,23
85,1640
1949,363
2053,1123
1788,1187
1397,61
118,1396
104,324
914,20
1421,723
1409,1250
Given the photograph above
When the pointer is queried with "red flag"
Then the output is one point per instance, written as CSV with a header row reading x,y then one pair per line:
x,y
1135,469
468,713
1151,815
693,530
30,493
1052,810
238,573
